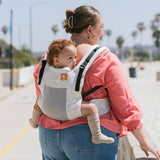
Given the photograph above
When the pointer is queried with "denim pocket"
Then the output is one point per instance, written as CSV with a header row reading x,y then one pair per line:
x,y
42,135
81,140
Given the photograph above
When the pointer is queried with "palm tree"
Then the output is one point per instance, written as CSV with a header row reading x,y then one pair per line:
x,y
120,41
156,35
157,19
141,28
154,27
55,29
108,33
4,30
134,35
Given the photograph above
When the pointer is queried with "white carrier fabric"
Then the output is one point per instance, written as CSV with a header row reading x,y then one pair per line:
x,y
58,98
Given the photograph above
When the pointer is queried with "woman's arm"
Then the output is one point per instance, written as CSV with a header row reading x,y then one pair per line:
x,y
124,104
145,146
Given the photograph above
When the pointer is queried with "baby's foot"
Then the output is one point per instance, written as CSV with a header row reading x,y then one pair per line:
x,y
102,139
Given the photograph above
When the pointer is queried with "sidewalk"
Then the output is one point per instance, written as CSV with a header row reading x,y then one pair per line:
x,y
18,141
5,92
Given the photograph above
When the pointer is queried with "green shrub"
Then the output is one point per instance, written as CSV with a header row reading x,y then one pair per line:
x,y
20,59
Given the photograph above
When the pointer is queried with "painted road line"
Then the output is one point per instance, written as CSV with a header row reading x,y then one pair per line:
x,y
14,140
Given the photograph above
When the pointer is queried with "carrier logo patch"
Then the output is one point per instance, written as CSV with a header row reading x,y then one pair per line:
x,y
64,77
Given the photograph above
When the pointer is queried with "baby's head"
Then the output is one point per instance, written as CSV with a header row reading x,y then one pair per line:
x,y
62,53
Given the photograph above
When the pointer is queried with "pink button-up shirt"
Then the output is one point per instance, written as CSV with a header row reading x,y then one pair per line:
x,y
125,113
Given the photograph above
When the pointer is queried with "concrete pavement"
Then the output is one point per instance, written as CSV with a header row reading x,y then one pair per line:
x,y
18,141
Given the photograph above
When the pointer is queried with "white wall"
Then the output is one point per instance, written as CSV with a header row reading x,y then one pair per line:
x,y
25,75
21,76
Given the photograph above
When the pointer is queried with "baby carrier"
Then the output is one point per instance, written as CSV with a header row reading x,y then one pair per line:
x,y
60,96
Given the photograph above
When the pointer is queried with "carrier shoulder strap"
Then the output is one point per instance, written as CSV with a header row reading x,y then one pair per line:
x,y
42,69
83,66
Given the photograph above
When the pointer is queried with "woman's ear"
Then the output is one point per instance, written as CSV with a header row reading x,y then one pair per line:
x,y
89,30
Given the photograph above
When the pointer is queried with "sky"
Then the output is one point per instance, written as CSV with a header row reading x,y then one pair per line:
x,y
120,16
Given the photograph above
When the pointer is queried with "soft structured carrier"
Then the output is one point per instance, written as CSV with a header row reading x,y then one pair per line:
x,y
60,96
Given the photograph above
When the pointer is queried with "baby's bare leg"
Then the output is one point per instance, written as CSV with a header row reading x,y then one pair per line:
x,y
90,110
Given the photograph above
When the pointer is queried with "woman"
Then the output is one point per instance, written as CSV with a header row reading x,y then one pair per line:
x,y
70,140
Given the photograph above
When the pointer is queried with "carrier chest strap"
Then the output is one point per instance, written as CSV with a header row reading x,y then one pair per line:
x,y
82,67
41,71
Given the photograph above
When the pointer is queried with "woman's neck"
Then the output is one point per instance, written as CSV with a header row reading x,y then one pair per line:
x,y
79,39
82,44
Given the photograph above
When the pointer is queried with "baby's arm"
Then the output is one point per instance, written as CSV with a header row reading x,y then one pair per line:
x,y
88,108
36,106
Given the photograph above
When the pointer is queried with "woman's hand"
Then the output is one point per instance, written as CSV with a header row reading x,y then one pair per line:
x,y
148,148
145,146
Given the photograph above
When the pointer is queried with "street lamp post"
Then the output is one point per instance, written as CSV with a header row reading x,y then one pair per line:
x,y
30,23
11,54
30,26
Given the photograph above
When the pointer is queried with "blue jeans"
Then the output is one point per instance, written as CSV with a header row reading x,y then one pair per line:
x,y
74,143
